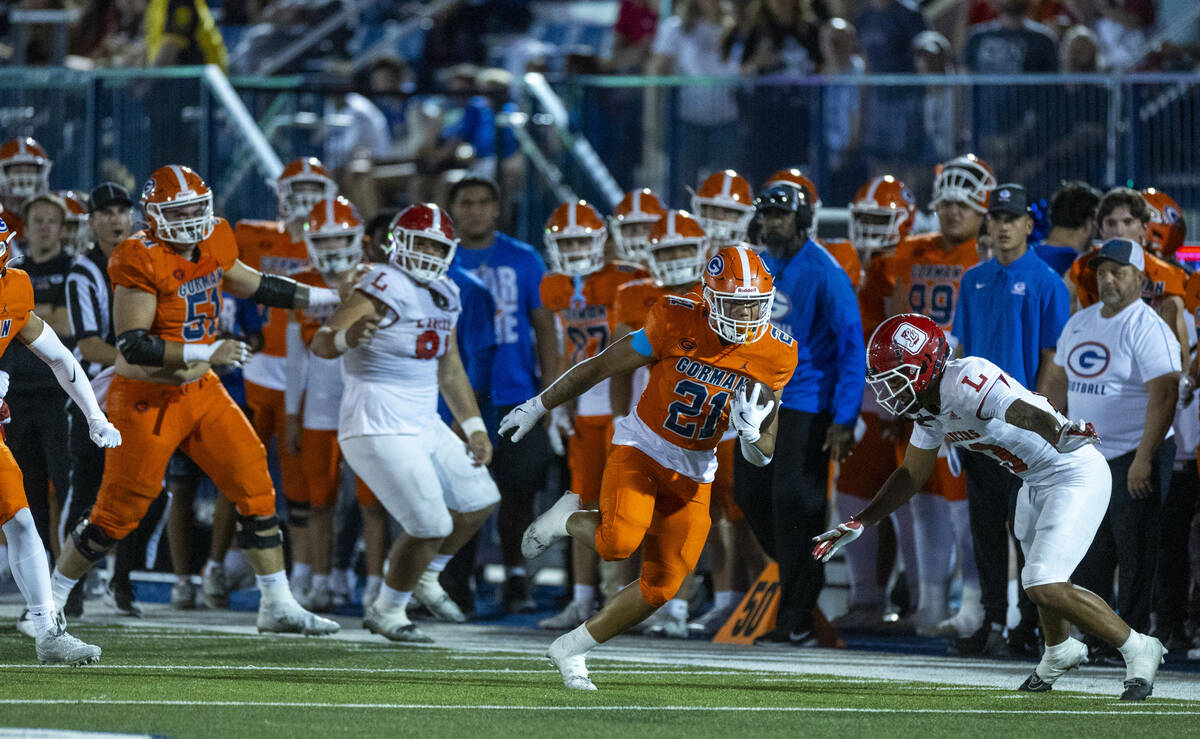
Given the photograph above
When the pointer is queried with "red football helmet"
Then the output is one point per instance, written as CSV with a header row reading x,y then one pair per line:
x,y
881,213
25,153
739,292
302,184
333,234
965,179
430,223
905,356
675,249
178,205
724,204
574,237
7,236
635,215
75,227
1167,228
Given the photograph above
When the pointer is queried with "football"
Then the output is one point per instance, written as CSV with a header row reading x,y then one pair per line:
x,y
765,393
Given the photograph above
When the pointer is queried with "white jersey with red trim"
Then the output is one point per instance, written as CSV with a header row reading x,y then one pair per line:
x,y
391,384
975,395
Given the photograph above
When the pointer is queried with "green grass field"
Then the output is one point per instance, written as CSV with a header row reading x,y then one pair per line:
x,y
176,683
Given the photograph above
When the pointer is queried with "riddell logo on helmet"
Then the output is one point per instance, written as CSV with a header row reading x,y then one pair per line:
x,y
910,338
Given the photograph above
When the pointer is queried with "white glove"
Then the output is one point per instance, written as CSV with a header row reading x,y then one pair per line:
x,y
834,539
560,428
747,415
522,418
1073,435
103,433
3,384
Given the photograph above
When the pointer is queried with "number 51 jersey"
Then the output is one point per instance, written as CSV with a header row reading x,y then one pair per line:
x,y
684,410
975,396
391,382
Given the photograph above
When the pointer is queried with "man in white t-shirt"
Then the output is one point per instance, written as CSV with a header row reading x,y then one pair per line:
x,y
1118,364
972,404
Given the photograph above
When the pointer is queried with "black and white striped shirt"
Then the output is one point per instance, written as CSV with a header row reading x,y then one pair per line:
x,y
89,302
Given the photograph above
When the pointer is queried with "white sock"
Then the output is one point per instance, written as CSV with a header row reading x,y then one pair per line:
x,y
209,566
678,608
972,600
514,572
274,587
27,558
394,598
579,641
439,562
1054,659
584,594
60,588
1131,646
320,582
933,603
43,619
373,583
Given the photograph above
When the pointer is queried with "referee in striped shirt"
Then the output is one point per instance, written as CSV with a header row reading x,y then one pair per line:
x,y
89,307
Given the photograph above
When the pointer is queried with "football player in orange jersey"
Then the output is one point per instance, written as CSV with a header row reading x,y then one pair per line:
x,y
580,288
76,234
881,216
844,252
632,220
709,361
333,235
26,555
24,172
167,299
277,247
924,273
724,205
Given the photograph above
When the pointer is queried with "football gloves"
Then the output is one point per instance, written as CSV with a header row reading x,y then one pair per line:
x,y
522,418
747,416
834,539
1074,435
103,433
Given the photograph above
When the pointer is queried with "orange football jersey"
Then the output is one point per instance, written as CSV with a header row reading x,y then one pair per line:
x,y
875,296
1162,278
584,306
926,278
266,247
695,373
16,304
635,299
188,291
847,256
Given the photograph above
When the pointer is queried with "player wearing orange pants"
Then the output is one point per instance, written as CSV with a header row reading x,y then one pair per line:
x,y
711,363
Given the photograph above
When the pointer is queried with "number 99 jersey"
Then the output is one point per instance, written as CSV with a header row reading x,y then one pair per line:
x,y
927,278
188,291
391,383
684,409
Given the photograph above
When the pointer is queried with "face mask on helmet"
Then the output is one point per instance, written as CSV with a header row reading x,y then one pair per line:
x,y
297,195
722,223
894,389
632,238
964,180
676,262
574,237
873,227
336,250
24,168
187,219
739,317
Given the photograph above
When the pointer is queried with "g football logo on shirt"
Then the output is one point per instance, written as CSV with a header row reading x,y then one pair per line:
x,y
716,265
910,338
1088,359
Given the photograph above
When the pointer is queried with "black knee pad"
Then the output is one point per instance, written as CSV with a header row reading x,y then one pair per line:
x,y
91,541
298,513
250,536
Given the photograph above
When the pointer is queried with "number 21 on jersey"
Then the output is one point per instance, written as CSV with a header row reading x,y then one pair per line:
x,y
696,414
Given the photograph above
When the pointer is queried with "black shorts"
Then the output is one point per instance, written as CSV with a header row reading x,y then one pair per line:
x,y
521,468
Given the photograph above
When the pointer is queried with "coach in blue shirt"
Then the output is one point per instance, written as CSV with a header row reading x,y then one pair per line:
x,y
785,502
526,340
1011,310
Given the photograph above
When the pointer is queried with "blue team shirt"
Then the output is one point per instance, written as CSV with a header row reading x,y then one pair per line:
x,y
1060,258
476,334
1007,315
815,303
512,272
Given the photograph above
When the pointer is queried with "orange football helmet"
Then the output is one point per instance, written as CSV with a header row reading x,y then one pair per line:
x,y
965,179
881,213
724,203
7,237
297,201
675,249
739,292
333,234
23,152
574,237
425,221
635,215
75,229
178,205
1167,228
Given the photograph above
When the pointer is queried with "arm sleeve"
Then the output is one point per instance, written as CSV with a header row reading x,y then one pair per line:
x,y
846,327
83,307
67,371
